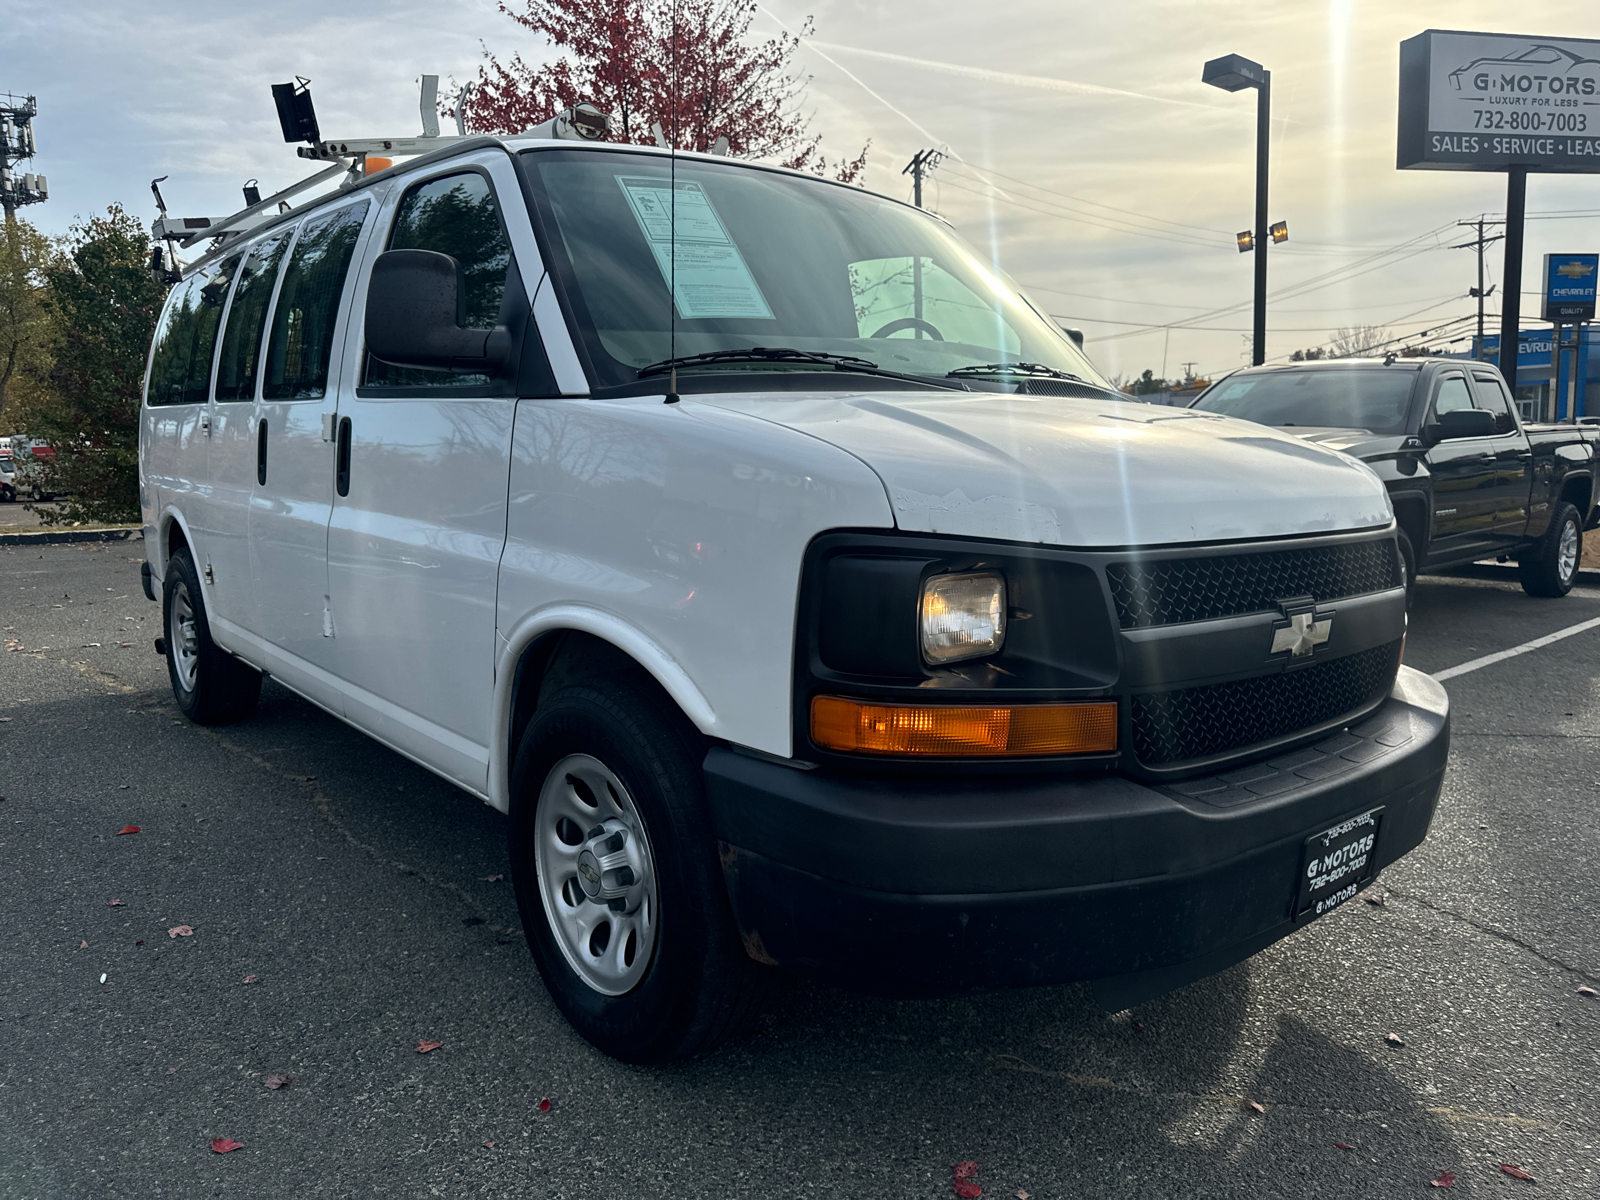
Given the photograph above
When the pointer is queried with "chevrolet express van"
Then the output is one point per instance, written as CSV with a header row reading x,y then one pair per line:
x,y
804,596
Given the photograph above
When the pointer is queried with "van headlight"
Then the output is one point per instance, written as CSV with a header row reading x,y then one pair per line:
x,y
963,616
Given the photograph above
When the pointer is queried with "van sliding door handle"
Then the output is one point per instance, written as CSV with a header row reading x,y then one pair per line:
x,y
341,471
261,452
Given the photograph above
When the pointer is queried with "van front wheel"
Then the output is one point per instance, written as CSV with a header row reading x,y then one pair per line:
x,y
617,877
211,686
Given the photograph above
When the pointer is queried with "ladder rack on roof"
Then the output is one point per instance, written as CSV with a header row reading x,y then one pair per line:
x,y
581,122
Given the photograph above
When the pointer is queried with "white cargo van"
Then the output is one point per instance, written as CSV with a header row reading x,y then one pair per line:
x,y
804,596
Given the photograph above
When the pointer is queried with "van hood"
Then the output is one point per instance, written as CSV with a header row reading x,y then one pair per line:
x,y
1073,472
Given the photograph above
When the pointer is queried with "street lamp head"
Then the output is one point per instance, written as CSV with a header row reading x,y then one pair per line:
x,y
1234,72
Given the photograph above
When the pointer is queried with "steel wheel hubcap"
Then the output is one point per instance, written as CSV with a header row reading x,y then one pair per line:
x,y
183,640
597,878
1567,555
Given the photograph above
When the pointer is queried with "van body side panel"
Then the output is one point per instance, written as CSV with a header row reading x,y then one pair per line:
x,y
688,524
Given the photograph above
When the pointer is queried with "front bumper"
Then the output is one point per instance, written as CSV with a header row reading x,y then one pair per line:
x,y
928,886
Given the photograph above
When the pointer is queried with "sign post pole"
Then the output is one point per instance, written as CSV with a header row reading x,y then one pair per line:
x,y
1511,274
1258,345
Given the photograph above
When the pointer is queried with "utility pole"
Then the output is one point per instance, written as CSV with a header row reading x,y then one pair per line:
x,y
1479,244
16,144
921,163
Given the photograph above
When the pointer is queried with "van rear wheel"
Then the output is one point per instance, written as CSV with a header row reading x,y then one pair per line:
x,y
617,877
211,686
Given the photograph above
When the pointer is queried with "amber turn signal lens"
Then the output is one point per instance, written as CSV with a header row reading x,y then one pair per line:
x,y
945,731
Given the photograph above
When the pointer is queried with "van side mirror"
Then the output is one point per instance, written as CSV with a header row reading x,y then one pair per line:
x,y
1466,423
413,315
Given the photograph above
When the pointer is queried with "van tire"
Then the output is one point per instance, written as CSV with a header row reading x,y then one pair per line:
x,y
1550,568
698,988
211,686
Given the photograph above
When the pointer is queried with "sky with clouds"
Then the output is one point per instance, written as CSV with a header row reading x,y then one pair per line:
x,y
1084,154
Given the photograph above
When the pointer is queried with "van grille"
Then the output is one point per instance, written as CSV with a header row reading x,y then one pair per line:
x,y
1199,722
1166,591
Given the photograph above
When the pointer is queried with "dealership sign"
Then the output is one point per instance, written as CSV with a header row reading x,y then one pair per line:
x,y
1569,289
1487,101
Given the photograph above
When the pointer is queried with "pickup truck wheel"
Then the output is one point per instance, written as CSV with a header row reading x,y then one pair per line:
x,y
617,877
211,686
1551,568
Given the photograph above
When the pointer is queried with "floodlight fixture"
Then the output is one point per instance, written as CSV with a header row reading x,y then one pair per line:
x,y
1279,231
1247,241
297,117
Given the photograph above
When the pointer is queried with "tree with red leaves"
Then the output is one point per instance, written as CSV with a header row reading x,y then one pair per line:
x,y
683,66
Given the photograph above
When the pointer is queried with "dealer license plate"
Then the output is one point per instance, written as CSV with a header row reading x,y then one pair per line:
x,y
1337,861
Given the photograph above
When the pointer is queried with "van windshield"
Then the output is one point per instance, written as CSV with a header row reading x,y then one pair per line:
x,y
763,258
1373,399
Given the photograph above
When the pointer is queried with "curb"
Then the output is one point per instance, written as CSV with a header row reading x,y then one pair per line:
x,y
51,537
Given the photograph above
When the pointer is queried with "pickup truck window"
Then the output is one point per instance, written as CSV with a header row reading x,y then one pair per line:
x,y
1491,396
1452,396
1354,398
766,258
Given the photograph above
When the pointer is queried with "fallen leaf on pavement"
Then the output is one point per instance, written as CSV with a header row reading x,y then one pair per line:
x,y
1138,1027
1343,1146
1394,1040
1022,1194
1446,1179
223,1145
274,1082
178,931
967,1191
1587,991
424,1047
964,1170
114,904
140,942
249,978
1377,898
1516,1172
494,878
962,1183
1252,1106
544,1105
83,945
127,829
172,1070
488,1145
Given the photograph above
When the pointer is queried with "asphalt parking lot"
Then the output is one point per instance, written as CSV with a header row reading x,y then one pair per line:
x,y
345,904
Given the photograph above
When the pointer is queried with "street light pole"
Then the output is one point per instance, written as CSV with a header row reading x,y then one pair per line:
x,y
1233,73
1258,352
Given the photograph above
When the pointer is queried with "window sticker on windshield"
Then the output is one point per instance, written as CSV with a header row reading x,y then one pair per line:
x,y
713,279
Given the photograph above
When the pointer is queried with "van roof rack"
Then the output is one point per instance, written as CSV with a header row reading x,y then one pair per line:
x,y
348,157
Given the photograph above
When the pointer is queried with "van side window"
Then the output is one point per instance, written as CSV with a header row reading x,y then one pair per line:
x,y
239,366
1491,397
455,215
308,306
180,366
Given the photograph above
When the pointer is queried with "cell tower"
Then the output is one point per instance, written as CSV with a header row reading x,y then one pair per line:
x,y
16,144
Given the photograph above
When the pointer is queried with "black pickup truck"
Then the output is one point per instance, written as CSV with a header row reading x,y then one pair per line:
x,y
1468,480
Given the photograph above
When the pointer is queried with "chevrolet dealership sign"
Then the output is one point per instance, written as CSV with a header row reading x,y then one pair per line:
x,y
1569,287
1487,101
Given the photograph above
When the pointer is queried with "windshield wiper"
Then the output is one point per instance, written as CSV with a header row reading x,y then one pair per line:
x,y
788,354
1035,370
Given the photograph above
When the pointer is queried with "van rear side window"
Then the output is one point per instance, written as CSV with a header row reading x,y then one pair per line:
x,y
240,363
180,366
308,306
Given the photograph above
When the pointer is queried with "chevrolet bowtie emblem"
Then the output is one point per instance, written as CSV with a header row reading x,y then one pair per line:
x,y
1302,636
1574,270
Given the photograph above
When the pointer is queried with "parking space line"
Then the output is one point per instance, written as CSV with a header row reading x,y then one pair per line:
x,y
1501,656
